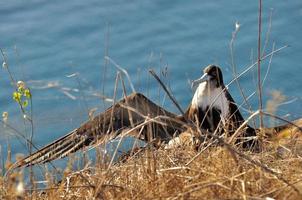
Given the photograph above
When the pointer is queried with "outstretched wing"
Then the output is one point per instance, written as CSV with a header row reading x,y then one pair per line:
x,y
128,112
86,135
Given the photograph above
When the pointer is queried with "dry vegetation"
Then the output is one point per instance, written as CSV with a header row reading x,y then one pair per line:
x,y
211,172
177,173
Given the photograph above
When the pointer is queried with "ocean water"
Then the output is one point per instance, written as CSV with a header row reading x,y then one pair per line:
x,y
47,41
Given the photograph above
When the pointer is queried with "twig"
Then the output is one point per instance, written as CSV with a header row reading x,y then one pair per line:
x,y
147,121
237,132
114,100
198,154
254,64
174,168
254,162
57,188
84,100
268,32
281,119
278,189
269,66
7,68
167,91
106,53
259,60
126,100
123,71
234,34
163,117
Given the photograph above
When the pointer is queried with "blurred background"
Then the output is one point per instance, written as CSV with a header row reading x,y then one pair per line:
x,y
58,49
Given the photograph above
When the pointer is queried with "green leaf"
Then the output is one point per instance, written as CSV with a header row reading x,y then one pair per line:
x,y
17,96
21,90
27,93
25,103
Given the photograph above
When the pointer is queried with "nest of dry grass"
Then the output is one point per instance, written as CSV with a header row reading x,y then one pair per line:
x,y
182,173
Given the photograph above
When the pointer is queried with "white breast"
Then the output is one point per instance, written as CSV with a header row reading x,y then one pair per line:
x,y
204,97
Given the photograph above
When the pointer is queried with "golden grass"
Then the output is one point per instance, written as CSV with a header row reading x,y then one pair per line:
x,y
165,174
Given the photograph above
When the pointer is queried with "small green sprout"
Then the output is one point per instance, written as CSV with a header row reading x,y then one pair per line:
x,y
22,94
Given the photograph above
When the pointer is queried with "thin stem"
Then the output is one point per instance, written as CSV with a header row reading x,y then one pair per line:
x,y
167,91
122,70
106,62
7,68
234,67
268,32
259,60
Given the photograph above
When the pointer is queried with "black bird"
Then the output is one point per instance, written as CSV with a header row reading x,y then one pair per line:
x,y
212,105
215,109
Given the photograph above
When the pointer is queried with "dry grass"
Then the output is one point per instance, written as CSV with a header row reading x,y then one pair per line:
x,y
164,174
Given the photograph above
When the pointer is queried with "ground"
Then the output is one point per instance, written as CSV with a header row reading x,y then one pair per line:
x,y
182,172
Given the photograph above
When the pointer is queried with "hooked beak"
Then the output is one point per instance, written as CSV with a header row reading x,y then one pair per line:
x,y
205,77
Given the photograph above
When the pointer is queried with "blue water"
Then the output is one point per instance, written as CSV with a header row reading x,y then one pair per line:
x,y
45,41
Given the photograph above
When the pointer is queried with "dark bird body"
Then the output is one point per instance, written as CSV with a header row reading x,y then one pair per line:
x,y
215,109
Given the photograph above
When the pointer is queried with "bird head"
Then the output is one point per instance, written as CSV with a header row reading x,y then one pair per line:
x,y
212,75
